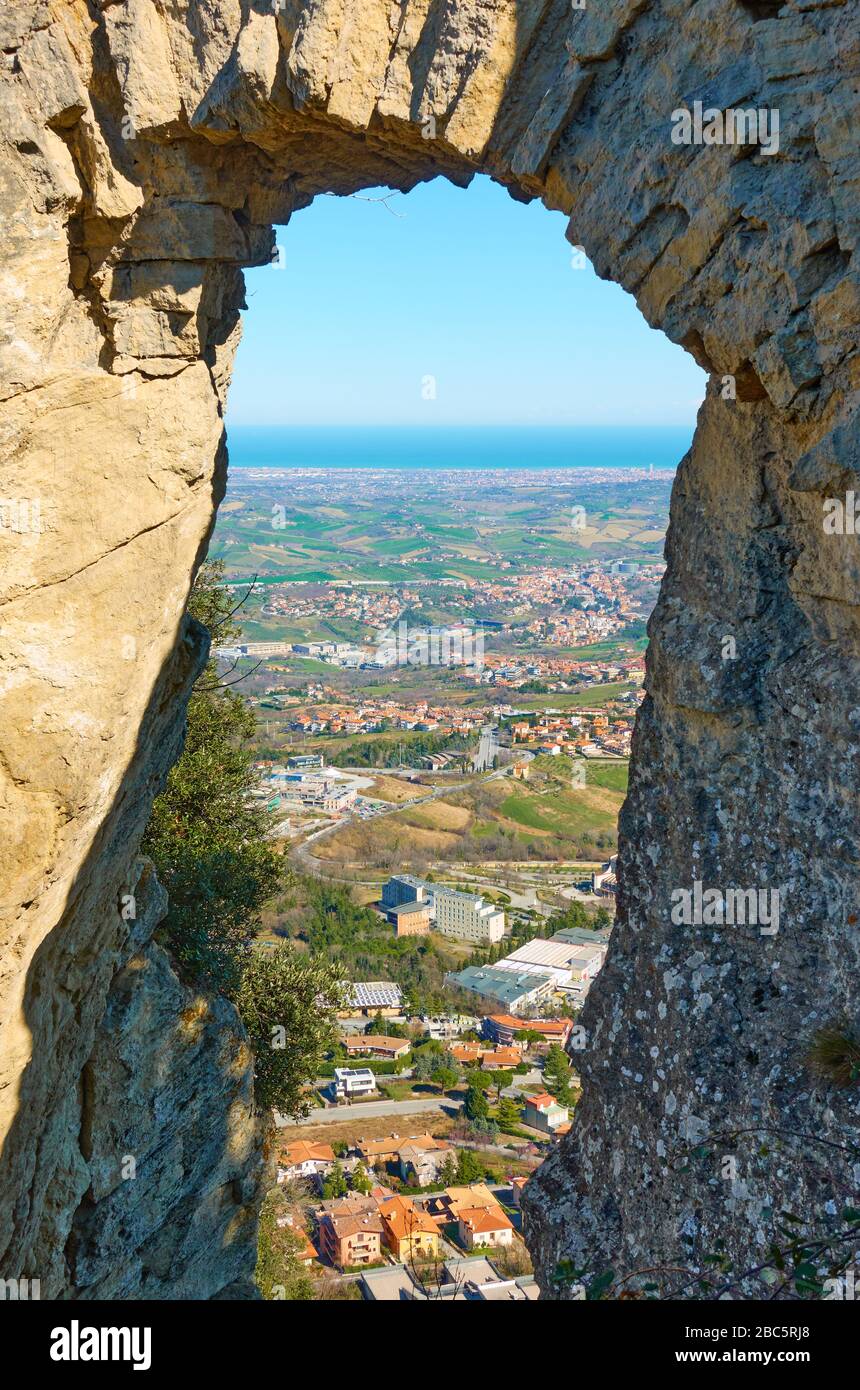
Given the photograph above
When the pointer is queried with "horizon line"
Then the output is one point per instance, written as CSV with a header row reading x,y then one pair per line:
x,y
459,425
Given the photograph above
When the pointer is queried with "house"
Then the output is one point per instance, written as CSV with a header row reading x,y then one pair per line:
x,y
350,1231
351,1084
304,1160
478,1226
457,1199
466,1053
496,1058
422,1159
377,1152
544,1112
409,1233
375,1045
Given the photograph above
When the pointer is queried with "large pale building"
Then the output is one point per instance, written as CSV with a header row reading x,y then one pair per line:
x,y
463,916
467,917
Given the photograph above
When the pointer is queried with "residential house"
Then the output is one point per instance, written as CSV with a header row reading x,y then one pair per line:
x,y
466,1053
351,1084
305,1252
409,1232
376,1153
544,1112
422,1159
305,1160
350,1231
457,1199
480,1226
375,1045
496,1058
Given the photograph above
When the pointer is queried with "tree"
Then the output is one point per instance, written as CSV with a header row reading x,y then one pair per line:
x,y
480,1080
360,1179
445,1078
477,1107
469,1167
335,1184
508,1114
501,1080
279,1273
206,837
424,1066
565,1094
383,1027
556,1068
287,1002
448,1175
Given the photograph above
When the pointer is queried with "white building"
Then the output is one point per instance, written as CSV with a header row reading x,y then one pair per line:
x,y
351,1084
467,917
464,916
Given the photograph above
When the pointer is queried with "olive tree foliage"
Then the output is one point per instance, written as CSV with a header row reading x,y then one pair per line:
x,y
288,1002
206,837
210,843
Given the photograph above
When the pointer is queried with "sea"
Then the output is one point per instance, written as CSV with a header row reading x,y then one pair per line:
x,y
457,447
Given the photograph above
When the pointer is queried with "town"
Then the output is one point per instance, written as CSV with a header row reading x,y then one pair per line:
x,y
431,1209
445,703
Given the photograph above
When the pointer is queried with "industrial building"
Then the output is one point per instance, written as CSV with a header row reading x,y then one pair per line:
x,y
516,991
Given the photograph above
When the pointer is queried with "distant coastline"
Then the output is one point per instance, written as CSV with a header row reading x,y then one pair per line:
x,y
457,447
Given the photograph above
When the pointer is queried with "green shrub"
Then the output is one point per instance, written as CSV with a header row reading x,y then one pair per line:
x,y
288,1002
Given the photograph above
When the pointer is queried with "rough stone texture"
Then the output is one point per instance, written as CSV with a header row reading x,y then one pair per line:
x,y
148,146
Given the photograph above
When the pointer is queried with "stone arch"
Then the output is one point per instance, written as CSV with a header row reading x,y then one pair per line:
x,y
149,146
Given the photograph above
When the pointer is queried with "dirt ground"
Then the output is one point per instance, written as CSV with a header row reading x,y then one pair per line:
x,y
371,1127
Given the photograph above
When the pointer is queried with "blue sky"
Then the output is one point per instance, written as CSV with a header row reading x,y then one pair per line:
x,y
465,286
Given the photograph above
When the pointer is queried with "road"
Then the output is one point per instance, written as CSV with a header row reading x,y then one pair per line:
x,y
337,1114
302,853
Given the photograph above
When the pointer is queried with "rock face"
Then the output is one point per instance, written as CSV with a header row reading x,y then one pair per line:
x,y
148,147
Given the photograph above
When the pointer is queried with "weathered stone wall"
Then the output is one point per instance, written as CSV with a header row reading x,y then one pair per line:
x,y
148,146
